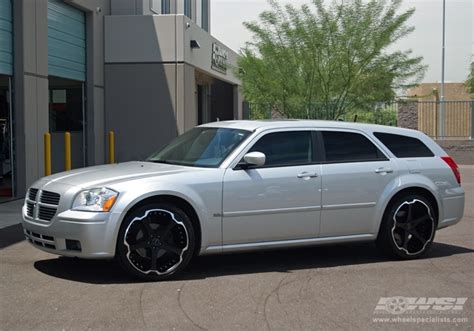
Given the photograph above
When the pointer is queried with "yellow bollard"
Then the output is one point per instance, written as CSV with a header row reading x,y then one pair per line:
x,y
111,147
47,154
67,151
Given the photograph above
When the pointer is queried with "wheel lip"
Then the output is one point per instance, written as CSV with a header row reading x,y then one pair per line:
x,y
395,223
174,267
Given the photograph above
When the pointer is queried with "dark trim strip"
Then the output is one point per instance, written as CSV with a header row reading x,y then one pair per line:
x,y
288,243
35,75
162,62
354,161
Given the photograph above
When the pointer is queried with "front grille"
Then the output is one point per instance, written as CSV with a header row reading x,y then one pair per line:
x,y
46,213
43,208
40,239
50,198
29,208
32,194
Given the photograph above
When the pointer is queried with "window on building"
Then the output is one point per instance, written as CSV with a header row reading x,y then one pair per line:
x,y
205,15
404,146
160,6
154,6
286,148
6,147
65,105
187,8
349,147
165,7
66,114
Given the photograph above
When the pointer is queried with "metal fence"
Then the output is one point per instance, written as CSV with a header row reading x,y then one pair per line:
x,y
441,120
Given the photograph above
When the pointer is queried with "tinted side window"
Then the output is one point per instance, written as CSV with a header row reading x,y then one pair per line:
x,y
403,146
285,148
349,147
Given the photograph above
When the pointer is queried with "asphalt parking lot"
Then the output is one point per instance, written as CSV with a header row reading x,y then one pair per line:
x,y
314,288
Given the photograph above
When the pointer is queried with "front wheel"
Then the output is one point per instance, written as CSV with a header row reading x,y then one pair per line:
x,y
155,241
408,228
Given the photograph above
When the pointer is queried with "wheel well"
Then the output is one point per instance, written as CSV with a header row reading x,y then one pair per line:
x,y
415,190
178,202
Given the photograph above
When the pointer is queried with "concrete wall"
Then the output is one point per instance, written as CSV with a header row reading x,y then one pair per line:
x,y
31,84
31,89
132,39
190,119
151,74
125,7
452,92
201,58
140,103
135,39
407,116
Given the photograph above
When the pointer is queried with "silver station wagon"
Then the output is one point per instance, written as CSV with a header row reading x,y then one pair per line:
x,y
247,185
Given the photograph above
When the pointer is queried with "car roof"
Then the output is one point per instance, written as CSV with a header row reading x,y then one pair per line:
x,y
253,125
262,125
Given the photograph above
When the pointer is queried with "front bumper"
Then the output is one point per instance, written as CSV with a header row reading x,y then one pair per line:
x,y
96,232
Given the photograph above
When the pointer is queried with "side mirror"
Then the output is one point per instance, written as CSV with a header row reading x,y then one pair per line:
x,y
255,159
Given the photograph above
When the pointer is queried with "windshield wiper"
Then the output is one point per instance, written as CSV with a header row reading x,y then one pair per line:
x,y
160,161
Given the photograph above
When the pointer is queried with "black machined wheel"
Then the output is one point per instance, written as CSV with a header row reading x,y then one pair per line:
x,y
413,226
155,241
408,228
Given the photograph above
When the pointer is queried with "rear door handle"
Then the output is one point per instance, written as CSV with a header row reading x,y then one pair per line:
x,y
383,170
307,175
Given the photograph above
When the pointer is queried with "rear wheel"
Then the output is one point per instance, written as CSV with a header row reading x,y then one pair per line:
x,y
408,228
155,241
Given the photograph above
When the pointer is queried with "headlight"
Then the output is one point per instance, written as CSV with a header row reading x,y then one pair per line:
x,y
95,199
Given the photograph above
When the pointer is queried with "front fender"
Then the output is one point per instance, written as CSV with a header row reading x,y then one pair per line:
x,y
398,184
206,204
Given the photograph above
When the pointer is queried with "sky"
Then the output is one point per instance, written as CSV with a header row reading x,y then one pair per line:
x,y
227,17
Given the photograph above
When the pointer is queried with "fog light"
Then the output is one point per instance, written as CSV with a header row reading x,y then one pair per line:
x,y
73,245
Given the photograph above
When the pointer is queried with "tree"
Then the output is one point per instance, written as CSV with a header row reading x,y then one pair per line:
x,y
321,60
470,79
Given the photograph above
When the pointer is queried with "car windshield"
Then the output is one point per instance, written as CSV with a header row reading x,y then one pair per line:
x,y
201,147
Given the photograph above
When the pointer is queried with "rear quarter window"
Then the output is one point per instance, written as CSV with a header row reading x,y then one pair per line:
x,y
403,146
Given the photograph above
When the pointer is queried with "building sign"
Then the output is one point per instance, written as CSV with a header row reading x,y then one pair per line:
x,y
219,58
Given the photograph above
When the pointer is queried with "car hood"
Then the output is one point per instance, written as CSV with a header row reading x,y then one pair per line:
x,y
115,173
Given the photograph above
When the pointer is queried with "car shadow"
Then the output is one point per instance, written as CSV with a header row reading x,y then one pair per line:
x,y
282,260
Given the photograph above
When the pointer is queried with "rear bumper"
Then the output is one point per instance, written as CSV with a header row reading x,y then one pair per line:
x,y
94,231
453,210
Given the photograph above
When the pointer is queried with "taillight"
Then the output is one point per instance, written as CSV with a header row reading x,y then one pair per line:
x,y
454,167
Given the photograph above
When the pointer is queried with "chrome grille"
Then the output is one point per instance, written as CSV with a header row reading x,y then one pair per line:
x,y
42,205
30,206
51,198
32,193
46,213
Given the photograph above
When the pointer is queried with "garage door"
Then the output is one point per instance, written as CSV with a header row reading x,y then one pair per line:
x,y
6,39
66,41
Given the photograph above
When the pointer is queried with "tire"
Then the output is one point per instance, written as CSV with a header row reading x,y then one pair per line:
x,y
155,241
408,227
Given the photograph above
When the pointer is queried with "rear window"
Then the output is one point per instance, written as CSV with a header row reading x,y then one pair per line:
x,y
403,146
349,147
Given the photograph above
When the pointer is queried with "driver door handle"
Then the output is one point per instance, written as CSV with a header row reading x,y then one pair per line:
x,y
307,175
